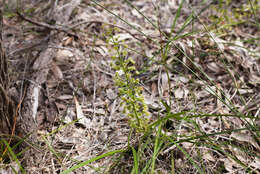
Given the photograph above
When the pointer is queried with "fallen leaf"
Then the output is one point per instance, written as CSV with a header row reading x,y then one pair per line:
x,y
244,137
80,116
56,71
178,93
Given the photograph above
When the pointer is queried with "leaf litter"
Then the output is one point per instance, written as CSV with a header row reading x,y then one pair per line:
x,y
81,84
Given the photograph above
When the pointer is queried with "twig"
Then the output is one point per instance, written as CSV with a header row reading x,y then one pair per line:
x,y
51,27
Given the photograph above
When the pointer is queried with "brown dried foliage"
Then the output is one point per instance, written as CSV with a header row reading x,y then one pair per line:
x,y
7,108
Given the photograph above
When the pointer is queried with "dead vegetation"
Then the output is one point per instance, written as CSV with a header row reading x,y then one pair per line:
x,y
198,70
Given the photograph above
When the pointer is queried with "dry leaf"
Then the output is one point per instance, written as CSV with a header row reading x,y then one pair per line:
x,y
102,50
65,97
153,90
164,82
213,67
70,115
181,79
57,71
178,93
208,156
64,53
68,40
80,116
230,165
256,163
121,37
245,137
111,94
240,155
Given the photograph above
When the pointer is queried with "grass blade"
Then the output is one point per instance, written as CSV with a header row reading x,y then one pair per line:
x,y
14,156
92,160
